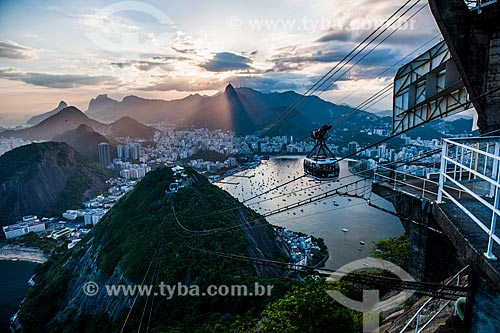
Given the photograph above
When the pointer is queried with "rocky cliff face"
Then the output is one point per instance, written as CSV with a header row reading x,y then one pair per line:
x,y
45,177
148,237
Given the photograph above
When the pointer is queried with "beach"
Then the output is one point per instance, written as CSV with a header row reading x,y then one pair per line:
x,y
16,252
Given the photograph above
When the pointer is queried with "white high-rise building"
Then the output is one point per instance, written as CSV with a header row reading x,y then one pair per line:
x,y
119,150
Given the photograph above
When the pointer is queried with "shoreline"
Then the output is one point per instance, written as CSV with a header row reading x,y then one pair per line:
x,y
20,253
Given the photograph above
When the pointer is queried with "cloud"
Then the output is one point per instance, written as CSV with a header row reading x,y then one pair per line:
x,y
169,58
261,82
164,62
279,82
338,35
106,23
184,50
142,65
182,83
62,81
13,50
227,61
295,59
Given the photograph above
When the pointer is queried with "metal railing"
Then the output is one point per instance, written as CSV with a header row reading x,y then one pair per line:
x,y
424,186
419,326
472,165
400,179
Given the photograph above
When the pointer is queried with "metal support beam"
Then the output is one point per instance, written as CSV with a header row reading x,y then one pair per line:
x,y
427,88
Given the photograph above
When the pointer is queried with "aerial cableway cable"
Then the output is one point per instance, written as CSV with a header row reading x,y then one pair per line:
x,y
326,76
379,95
342,63
322,196
137,295
368,53
320,163
362,190
440,290
392,66
459,106
400,162
290,109
426,288
379,142
376,97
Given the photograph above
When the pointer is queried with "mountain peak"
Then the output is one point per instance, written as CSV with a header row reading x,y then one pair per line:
x,y
229,89
129,127
100,103
102,97
132,98
41,117
71,110
125,118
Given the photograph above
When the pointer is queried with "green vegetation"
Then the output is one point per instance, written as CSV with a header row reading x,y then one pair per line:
x,y
49,295
322,255
129,127
45,179
77,187
395,250
47,245
141,232
308,308
28,156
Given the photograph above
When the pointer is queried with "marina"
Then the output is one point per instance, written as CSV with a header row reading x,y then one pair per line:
x,y
326,218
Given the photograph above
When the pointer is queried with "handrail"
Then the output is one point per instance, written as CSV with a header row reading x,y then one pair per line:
x,y
479,158
395,180
417,314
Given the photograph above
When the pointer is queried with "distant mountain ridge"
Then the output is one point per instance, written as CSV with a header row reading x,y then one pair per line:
x,y
41,117
70,118
100,103
243,110
66,119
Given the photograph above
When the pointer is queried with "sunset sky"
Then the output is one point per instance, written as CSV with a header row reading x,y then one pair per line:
x,y
75,50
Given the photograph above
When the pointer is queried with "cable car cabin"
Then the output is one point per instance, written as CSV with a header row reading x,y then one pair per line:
x,y
320,163
322,168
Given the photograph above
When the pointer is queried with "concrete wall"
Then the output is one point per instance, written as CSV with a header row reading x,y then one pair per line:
x,y
435,256
432,255
483,305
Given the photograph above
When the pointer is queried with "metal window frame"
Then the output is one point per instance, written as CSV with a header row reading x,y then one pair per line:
x,y
438,103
